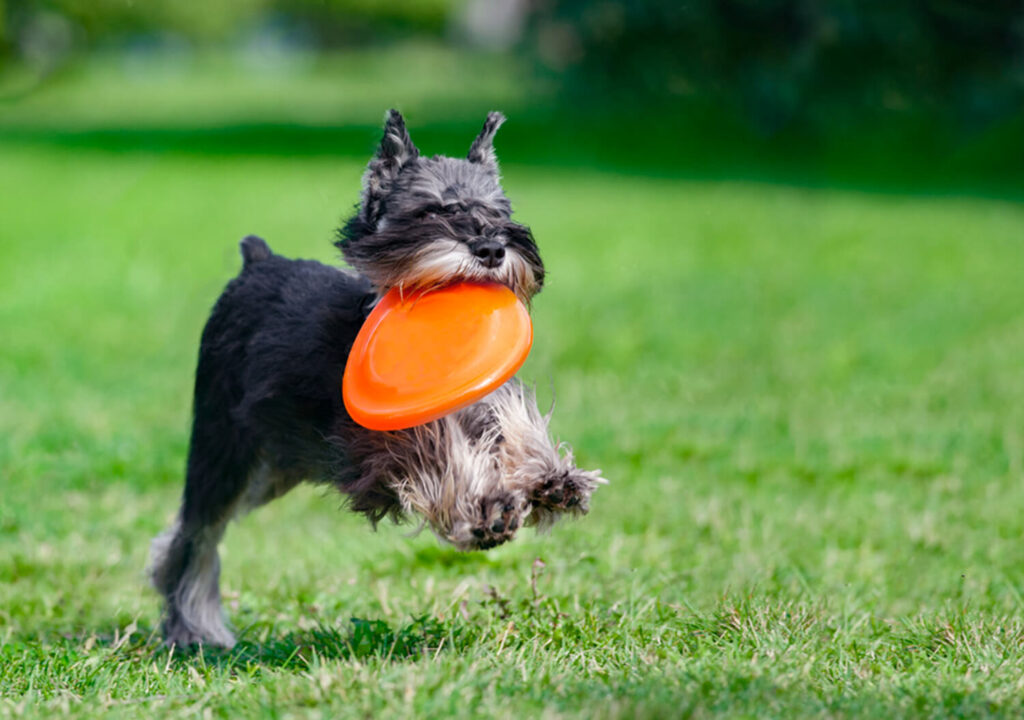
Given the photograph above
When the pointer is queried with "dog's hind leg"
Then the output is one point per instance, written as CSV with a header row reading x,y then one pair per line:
x,y
185,565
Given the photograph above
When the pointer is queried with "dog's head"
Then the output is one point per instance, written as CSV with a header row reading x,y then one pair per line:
x,y
425,222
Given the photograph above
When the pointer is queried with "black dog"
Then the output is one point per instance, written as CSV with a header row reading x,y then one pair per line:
x,y
268,410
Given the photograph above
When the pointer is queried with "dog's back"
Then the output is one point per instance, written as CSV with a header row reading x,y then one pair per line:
x,y
274,349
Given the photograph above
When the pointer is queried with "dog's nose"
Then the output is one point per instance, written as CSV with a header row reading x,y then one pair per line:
x,y
489,252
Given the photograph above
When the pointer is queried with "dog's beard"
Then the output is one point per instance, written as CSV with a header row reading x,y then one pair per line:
x,y
445,261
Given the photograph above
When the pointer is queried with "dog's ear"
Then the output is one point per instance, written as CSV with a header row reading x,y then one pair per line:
x,y
395,152
482,149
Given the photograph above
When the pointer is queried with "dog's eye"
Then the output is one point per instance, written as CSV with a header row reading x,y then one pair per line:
x,y
430,211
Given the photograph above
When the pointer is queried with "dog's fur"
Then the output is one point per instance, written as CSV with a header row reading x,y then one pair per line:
x,y
268,410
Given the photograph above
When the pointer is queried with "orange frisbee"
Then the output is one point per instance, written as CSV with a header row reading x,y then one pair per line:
x,y
423,355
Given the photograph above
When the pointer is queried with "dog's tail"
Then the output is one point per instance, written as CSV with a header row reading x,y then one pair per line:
x,y
254,249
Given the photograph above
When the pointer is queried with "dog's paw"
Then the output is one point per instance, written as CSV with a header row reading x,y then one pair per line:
x,y
566,491
184,635
184,638
495,521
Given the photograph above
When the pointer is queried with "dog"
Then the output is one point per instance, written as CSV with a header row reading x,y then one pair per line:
x,y
268,410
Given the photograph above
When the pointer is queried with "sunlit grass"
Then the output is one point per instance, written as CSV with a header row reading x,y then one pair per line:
x,y
809,404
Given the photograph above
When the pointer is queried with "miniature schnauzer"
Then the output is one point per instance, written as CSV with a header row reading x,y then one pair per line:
x,y
268,410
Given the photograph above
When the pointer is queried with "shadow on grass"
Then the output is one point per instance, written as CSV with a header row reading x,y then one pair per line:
x,y
258,646
363,640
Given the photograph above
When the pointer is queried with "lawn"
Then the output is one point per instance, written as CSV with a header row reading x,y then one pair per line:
x,y
809,402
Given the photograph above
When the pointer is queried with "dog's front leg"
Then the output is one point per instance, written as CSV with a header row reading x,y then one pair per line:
x,y
454,482
529,462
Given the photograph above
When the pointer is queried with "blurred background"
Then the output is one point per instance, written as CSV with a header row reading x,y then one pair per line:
x,y
784,314
899,94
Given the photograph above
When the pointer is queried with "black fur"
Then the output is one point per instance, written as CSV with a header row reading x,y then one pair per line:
x,y
268,382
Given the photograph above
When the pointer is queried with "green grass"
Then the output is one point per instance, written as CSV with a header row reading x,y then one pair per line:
x,y
809,402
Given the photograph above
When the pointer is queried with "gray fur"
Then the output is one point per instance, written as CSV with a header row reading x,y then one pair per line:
x,y
493,461
482,149
425,220
194,610
395,152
